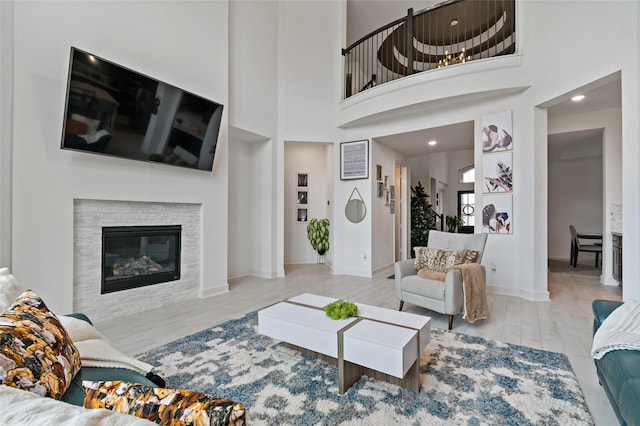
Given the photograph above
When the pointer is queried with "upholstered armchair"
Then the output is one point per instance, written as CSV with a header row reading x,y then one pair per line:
x,y
443,297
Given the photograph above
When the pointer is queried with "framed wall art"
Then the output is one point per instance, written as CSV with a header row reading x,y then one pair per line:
x,y
354,160
303,180
497,172
497,214
497,132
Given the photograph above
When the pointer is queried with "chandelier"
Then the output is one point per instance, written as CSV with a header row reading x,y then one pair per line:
x,y
453,58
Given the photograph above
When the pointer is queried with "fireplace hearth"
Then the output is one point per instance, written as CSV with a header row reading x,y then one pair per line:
x,y
137,256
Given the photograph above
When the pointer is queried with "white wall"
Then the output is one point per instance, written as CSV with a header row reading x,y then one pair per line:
x,y
382,229
6,128
312,83
46,180
253,115
420,172
253,65
575,198
239,259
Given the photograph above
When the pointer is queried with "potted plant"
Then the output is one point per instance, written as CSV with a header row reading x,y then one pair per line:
x,y
454,223
318,234
422,216
341,309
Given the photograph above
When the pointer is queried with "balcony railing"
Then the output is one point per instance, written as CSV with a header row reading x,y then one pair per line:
x,y
450,33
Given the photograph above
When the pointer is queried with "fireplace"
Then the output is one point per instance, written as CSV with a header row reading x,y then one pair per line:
x,y
138,256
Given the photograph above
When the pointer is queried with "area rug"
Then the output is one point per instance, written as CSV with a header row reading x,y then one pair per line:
x,y
465,381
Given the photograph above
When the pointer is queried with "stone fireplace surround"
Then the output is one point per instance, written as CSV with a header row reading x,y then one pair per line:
x,y
89,218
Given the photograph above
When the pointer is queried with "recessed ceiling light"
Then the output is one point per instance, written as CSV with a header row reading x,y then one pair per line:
x,y
577,98
432,142
454,22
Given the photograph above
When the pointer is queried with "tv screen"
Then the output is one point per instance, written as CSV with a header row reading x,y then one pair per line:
x,y
115,111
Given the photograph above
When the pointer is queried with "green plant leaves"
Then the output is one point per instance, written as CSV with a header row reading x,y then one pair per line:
x,y
341,309
422,216
318,234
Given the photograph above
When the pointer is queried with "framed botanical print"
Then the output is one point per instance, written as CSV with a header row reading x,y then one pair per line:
x,y
497,214
497,132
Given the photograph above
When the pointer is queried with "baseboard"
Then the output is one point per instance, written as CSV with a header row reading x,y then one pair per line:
x,y
264,274
213,291
539,296
354,272
385,271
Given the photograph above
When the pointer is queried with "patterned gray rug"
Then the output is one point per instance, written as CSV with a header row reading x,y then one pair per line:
x,y
465,381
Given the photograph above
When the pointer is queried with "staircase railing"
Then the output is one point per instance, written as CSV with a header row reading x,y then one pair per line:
x,y
449,33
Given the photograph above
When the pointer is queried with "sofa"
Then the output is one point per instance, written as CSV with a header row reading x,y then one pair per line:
x,y
618,370
62,370
75,393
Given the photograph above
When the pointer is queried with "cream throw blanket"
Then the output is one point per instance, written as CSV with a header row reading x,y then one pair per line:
x,y
474,289
21,408
96,350
621,330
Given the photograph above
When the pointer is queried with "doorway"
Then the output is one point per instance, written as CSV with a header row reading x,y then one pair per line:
x,y
584,172
466,211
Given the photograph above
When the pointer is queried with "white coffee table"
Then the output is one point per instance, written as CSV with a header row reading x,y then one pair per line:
x,y
380,343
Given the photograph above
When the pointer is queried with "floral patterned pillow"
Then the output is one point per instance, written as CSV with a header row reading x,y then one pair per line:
x,y
163,406
36,354
419,259
443,260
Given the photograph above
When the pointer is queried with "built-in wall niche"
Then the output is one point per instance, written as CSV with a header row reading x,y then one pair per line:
x,y
302,197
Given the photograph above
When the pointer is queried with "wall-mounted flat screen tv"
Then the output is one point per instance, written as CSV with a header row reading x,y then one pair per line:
x,y
115,111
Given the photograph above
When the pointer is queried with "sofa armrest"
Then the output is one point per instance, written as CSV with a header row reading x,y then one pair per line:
x,y
602,309
80,316
403,268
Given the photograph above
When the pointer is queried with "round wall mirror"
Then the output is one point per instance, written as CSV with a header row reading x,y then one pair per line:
x,y
355,210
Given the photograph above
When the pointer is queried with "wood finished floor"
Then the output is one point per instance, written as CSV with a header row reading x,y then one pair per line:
x,y
562,324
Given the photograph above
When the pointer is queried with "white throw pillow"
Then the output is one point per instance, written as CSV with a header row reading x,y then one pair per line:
x,y
9,289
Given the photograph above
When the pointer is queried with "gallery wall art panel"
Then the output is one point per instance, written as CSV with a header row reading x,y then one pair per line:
x,y
354,160
497,172
497,132
497,214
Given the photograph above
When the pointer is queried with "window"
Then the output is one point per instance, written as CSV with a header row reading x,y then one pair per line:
x,y
466,211
467,174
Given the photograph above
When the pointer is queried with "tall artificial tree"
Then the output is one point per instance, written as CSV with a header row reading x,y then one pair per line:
x,y
422,216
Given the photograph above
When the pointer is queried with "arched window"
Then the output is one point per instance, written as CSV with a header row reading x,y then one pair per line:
x,y
467,174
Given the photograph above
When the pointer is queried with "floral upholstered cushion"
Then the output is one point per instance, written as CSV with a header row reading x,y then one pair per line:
x,y
163,406
419,259
36,353
443,260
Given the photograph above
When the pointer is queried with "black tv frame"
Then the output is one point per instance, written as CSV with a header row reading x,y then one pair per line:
x,y
115,111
